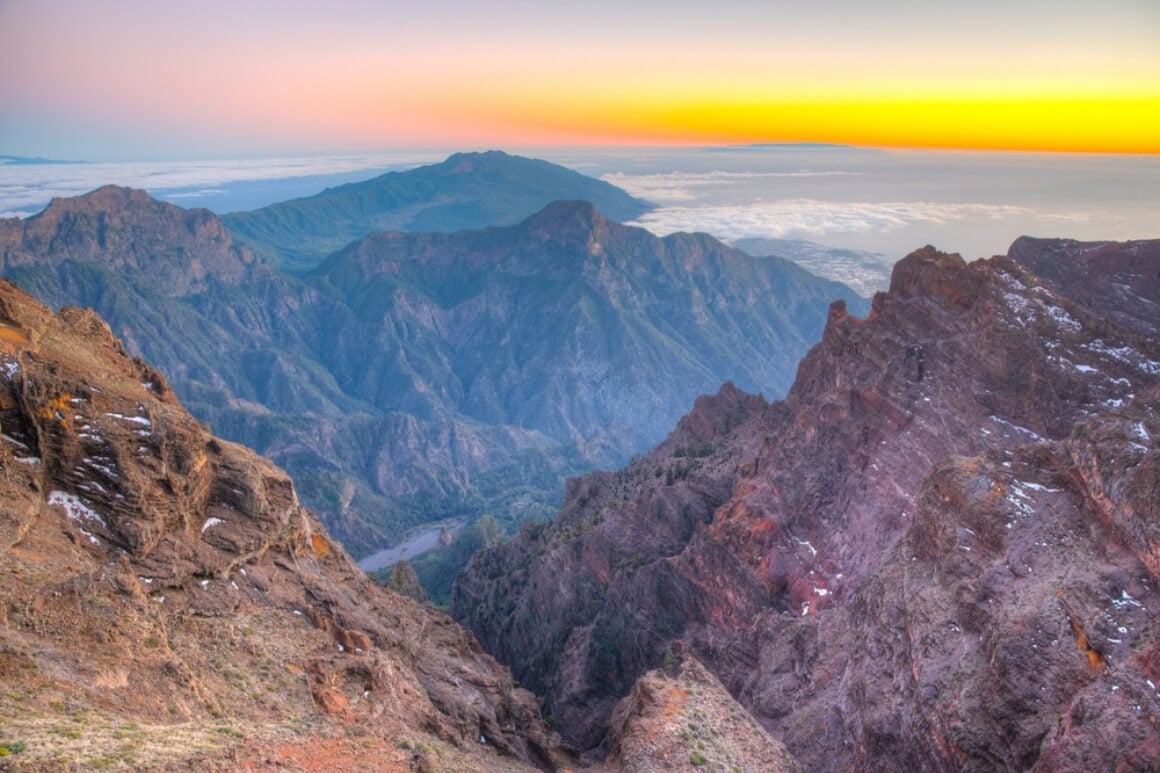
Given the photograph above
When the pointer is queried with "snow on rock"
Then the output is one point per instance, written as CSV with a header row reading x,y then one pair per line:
x,y
74,507
135,419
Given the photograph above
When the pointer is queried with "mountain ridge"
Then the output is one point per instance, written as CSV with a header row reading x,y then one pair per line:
x,y
412,377
465,192
927,555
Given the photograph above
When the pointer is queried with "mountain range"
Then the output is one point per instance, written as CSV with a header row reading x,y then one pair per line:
x,y
467,191
166,603
938,552
410,378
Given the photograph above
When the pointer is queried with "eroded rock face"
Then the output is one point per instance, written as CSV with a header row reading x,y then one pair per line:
x,y
939,552
151,572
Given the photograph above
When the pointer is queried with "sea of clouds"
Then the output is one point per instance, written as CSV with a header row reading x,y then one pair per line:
x,y
887,202
27,188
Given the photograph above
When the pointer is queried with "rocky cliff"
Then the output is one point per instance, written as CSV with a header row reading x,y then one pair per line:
x,y
166,602
415,377
939,552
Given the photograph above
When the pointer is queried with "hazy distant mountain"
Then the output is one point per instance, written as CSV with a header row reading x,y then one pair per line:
x,y
467,191
417,376
865,272
32,160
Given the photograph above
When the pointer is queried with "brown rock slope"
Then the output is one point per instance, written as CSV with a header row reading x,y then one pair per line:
x,y
940,552
165,601
679,717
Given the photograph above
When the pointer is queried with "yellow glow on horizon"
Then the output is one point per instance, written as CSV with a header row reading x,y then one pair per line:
x,y
1061,124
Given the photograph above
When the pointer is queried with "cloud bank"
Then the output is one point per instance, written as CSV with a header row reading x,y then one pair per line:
x,y
814,218
27,188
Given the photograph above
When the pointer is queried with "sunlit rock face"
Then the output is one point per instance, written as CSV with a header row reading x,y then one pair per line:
x,y
938,552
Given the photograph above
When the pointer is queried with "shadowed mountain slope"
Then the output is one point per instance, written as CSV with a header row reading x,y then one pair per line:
x,y
939,552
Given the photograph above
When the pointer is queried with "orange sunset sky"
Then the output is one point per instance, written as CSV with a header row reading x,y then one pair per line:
x,y
136,79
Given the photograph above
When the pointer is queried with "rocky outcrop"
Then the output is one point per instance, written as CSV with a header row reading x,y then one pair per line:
x,y
936,553
679,716
152,574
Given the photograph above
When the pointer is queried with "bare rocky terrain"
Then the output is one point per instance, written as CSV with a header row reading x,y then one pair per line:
x,y
939,552
165,602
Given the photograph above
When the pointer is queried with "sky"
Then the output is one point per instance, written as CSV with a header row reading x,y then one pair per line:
x,y
122,80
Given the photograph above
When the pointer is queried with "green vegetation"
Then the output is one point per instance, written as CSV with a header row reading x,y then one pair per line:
x,y
437,568
12,747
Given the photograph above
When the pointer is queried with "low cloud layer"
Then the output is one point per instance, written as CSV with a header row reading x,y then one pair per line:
x,y
815,219
27,188
668,187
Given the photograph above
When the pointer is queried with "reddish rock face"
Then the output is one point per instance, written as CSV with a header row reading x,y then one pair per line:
x,y
939,552
151,573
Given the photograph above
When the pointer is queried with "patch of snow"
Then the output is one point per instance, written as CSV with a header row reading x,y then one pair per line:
x,y
103,468
1142,432
204,583
146,580
298,612
1086,369
1062,318
1020,306
1037,487
27,459
11,369
135,419
13,441
210,523
74,507
1126,600
1017,428
810,547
